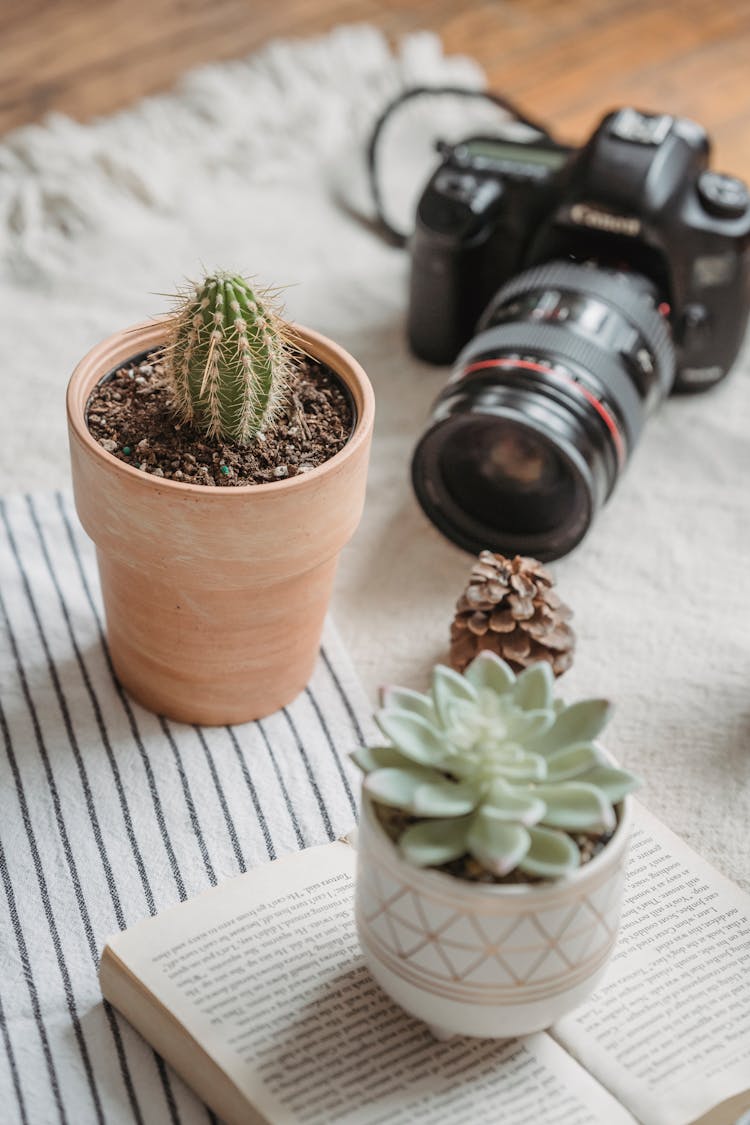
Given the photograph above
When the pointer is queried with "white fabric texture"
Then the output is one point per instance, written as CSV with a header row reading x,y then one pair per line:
x,y
244,167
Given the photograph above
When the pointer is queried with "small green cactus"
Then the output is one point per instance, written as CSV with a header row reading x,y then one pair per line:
x,y
227,358
491,765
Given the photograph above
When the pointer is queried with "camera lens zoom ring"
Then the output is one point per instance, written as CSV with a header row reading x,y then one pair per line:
x,y
613,289
551,344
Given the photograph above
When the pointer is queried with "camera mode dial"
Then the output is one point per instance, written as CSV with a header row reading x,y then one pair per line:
x,y
725,197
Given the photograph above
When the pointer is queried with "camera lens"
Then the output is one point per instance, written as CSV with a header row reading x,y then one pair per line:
x,y
544,408
498,465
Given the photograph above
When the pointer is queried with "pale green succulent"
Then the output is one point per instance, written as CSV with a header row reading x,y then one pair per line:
x,y
493,766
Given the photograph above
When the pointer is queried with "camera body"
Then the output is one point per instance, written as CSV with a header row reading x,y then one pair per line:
x,y
637,198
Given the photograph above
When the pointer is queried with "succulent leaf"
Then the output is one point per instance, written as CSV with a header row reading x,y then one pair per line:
x,y
370,758
404,699
577,806
227,357
432,842
444,798
397,788
421,792
529,767
550,855
613,782
488,671
504,803
563,765
529,726
534,687
581,722
499,845
448,688
414,736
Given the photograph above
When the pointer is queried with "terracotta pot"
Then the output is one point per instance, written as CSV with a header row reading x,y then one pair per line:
x,y
215,597
484,959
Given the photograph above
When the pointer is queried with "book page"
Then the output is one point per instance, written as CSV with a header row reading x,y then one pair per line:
x,y
265,972
668,1030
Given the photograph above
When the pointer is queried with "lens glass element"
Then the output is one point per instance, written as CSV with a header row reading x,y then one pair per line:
x,y
507,476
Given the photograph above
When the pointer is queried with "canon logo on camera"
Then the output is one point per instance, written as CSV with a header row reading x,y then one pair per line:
x,y
586,216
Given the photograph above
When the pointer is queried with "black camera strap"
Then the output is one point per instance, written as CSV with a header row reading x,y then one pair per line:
x,y
388,231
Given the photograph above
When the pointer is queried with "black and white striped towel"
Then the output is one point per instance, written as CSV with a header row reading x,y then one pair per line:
x,y
109,814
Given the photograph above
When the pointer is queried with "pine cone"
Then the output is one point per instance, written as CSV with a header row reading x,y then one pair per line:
x,y
509,607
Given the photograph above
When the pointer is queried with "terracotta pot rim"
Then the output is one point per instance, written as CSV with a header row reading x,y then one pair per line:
x,y
343,364
446,883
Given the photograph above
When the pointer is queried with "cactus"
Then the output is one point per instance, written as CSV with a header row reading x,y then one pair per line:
x,y
227,358
492,766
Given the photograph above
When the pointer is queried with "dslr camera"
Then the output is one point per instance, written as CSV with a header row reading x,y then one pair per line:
x,y
574,289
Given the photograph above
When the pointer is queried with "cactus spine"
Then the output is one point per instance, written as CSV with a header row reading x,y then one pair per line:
x,y
227,358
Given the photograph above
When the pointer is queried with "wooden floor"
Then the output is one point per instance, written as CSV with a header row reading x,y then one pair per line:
x,y
564,60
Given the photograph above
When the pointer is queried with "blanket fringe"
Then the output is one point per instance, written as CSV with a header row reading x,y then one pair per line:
x,y
60,180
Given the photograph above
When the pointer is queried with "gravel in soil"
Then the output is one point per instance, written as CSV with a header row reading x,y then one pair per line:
x,y
396,822
130,415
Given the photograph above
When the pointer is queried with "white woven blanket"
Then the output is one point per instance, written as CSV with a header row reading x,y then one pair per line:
x,y
244,167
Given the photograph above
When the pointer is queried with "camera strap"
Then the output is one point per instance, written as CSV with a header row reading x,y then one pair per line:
x,y
382,224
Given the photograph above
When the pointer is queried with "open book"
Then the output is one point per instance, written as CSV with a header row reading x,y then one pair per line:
x,y
257,995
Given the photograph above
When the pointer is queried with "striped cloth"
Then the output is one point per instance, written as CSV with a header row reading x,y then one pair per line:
x,y
109,814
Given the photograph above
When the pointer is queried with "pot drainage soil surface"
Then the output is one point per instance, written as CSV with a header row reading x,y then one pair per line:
x,y
130,415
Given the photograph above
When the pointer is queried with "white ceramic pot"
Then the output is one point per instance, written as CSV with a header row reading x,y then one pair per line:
x,y
485,959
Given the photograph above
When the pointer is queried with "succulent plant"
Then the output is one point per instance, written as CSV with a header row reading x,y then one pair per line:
x,y
227,357
491,765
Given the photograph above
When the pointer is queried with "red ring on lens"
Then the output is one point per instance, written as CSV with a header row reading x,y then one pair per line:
x,y
591,398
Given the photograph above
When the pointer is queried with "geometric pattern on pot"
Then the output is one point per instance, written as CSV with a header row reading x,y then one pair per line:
x,y
485,955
